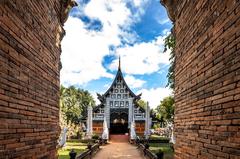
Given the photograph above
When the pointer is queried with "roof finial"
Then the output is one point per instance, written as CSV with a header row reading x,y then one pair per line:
x,y
119,62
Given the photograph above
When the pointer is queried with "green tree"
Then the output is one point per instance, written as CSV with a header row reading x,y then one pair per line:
x,y
170,43
74,103
166,109
142,103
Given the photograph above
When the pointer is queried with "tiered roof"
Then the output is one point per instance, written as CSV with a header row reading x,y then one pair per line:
x,y
119,76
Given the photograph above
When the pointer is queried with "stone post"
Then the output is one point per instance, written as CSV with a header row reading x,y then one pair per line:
x,y
107,112
89,122
130,112
147,122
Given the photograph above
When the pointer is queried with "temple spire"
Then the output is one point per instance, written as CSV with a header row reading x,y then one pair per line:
x,y
119,63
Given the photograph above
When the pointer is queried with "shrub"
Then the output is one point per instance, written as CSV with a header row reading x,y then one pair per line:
x,y
95,137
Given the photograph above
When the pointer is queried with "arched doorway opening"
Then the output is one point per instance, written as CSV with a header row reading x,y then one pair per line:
x,y
118,123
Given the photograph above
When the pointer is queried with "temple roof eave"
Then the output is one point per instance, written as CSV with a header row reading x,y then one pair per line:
x,y
119,73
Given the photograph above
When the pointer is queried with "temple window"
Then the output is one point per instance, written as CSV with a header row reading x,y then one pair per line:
x,y
121,104
119,96
116,103
111,103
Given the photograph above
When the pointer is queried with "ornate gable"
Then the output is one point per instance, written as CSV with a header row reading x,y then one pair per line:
x,y
119,85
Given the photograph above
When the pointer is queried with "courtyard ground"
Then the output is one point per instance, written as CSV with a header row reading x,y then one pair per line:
x,y
119,150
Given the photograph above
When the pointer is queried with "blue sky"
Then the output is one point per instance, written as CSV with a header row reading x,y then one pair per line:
x,y
99,31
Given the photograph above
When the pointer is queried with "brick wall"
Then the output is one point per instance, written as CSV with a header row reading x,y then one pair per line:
x,y
207,93
29,78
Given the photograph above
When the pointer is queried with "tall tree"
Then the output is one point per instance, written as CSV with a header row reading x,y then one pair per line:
x,y
74,103
166,109
170,43
142,103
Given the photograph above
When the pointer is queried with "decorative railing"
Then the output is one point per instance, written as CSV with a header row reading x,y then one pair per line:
x,y
89,152
147,152
144,148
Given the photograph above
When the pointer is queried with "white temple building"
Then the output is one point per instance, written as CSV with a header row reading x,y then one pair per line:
x,y
119,107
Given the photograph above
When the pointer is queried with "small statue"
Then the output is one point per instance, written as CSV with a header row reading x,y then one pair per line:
x,y
63,138
132,130
105,134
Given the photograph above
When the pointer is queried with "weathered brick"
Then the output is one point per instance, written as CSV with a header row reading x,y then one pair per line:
x,y
29,76
233,128
222,128
221,122
207,68
214,147
24,130
218,153
237,109
237,97
236,121
14,145
223,100
233,151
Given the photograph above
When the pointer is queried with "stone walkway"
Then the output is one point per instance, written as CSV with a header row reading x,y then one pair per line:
x,y
119,150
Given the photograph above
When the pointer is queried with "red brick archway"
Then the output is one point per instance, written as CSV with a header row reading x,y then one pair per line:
x,y
207,77
30,35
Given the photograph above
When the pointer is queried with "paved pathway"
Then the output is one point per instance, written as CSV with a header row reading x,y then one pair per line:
x,y
118,150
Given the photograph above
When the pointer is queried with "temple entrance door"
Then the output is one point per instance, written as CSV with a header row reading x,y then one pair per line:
x,y
118,123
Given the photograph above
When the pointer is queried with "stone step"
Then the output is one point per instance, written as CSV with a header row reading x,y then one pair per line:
x,y
119,138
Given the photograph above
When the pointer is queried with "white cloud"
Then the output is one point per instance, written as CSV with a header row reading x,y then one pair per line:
x,y
154,95
137,3
107,85
94,95
140,5
166,32
162,21
115,15
142,58
133,82
114,12
82,53
83,50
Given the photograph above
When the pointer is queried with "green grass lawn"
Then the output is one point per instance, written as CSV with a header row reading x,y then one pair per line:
x,y
157,137
78,147
165,147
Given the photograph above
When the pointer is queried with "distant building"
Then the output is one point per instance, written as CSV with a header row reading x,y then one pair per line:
x,y
119,106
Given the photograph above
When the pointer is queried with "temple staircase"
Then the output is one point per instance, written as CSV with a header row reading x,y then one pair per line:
x,y
119,138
